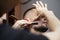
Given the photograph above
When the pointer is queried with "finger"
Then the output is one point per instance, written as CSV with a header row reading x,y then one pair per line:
x,y
41,4
45,5
4,16
22,22
28,19
24,25
38,4
35,5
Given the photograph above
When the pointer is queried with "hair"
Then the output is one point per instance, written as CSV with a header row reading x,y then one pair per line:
x,y
27,11
7,5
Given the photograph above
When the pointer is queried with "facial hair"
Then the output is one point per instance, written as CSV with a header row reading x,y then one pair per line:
x,y
41,29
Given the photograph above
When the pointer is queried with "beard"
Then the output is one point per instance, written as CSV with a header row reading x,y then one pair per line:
x,y
41,29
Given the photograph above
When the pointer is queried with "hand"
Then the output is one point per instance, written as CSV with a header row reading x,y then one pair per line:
x,y
40,7
4,16
18,24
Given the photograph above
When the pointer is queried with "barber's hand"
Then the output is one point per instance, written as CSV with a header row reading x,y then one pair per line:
x,y
40,7
19,23
4,16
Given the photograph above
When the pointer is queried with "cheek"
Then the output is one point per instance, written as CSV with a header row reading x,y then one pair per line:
x,y
43,25
44,22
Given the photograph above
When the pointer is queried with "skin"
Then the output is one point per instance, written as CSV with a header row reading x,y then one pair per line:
x,y
3,17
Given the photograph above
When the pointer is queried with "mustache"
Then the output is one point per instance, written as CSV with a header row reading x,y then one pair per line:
x,y
41,29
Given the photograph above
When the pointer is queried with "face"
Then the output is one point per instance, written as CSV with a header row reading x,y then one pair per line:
x,y
42,22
